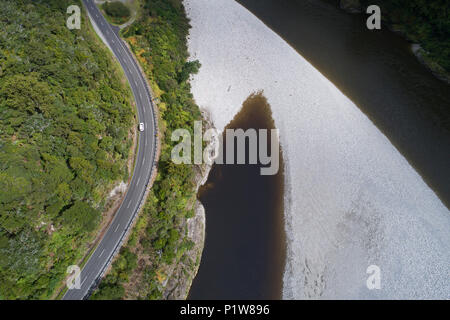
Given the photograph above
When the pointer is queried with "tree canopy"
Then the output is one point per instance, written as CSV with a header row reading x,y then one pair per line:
x,y
65,119
116,9
423,21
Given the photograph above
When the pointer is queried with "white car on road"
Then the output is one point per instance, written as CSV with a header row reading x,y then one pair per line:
x,y
141,126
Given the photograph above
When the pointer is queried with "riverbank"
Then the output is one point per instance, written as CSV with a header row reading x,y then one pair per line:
x,y
163,251
351,199
181,275
397,19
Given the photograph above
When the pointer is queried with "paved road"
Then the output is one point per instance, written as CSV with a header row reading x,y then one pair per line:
x,y
111,241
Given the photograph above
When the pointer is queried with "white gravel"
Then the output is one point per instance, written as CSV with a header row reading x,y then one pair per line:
x,y
352,200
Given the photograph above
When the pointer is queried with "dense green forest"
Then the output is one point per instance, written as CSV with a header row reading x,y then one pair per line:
x,y
116,11
422,21
65,122
159,238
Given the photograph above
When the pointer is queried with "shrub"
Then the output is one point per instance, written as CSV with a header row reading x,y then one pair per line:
x,y
116,9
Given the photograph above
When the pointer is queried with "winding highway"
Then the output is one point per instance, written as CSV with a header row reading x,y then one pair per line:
x,y
112,239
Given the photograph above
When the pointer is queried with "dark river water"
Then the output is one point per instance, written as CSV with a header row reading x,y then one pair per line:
x,y
378,72
244,248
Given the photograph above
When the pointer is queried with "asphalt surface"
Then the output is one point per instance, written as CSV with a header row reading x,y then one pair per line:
x,y
112,240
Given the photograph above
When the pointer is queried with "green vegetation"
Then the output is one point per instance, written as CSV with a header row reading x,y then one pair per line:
x,y
65,119
422,21
159,237
117,11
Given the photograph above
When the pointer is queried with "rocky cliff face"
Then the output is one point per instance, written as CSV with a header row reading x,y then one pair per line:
x,y
183,273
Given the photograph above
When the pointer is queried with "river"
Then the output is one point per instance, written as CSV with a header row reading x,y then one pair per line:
x,y
378,72
364,134
243,257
